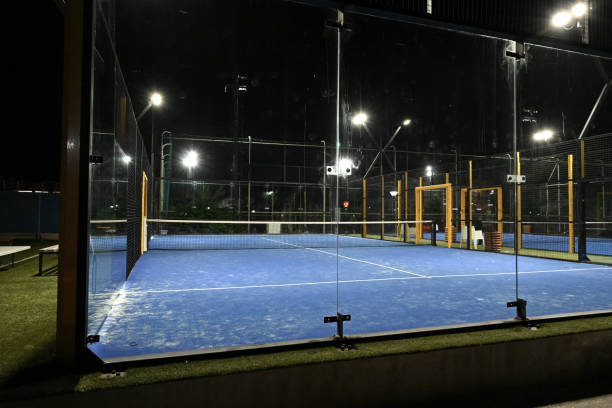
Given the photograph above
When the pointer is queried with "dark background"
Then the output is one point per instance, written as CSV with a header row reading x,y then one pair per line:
x,y
31,136
32,125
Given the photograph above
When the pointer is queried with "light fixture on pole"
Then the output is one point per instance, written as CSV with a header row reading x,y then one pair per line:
x,y
543,135
154,100
575,17
190,159
360,119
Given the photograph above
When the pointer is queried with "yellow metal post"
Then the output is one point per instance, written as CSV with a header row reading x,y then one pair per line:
x,y
500,211
399,208
570,198
382,206
519,208
406,226
364,231
417,215
449,213
469,200
420,226
463,192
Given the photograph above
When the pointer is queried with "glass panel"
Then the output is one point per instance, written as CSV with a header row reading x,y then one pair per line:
x,y
234,252
564,200
108,183
437,104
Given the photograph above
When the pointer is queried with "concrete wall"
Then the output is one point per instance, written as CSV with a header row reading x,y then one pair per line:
x,y
496,372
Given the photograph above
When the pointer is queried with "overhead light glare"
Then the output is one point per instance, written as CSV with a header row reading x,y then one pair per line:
x,y
579,9
561,19
360,119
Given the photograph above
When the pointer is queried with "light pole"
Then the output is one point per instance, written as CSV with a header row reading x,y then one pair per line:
x,y
154,100
162,169
190,160
360,119
429,173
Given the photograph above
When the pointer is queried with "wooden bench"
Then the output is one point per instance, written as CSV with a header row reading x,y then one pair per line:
x,y
12,250
54,249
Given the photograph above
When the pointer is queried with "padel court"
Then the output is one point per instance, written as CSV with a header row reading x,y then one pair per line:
x,y
202,292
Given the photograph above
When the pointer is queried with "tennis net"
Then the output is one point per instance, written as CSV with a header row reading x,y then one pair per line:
x,y
208,234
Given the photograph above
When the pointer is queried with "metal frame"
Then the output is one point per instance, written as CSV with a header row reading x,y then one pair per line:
x,y
500,212
448,187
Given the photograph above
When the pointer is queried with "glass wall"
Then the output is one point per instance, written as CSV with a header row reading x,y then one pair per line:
x,y
564,197
312,174
435,101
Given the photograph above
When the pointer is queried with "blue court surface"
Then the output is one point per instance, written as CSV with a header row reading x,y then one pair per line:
x,y
200,299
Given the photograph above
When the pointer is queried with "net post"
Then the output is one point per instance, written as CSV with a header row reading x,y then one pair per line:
x,y
570,198
433,227
382,206
364,231
406,234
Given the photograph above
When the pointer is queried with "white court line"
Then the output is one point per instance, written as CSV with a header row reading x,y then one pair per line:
x,y
279,285
349,258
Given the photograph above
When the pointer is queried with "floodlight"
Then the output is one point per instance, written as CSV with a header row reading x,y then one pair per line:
x,y
190,159
346,163
428,171
393,193
126,159
156,99
579,10
406,122
360,119
543,135
561,19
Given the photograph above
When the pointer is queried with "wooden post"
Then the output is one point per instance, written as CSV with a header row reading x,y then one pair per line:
x,y
570,198
364,231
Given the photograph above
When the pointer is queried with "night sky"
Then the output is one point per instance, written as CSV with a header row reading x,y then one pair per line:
x,y
32,127
455,88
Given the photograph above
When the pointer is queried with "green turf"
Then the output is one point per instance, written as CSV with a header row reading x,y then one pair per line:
x,y
27,312
28,341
